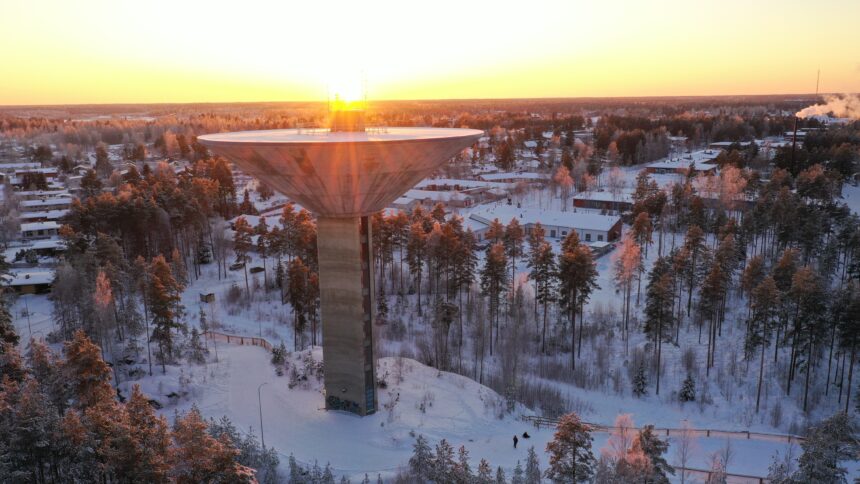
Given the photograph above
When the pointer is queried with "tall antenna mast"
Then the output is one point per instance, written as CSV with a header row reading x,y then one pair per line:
x,y
817,78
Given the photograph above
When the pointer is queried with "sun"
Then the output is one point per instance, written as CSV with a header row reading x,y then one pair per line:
x,y
346,92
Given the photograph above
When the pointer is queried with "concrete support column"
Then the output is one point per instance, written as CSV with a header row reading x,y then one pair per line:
x,y
347,299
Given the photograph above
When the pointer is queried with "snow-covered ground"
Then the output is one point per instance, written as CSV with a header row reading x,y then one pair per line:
x,y
435,404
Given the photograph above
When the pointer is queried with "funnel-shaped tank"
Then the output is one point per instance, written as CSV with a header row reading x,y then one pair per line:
x,y
344,176
341,174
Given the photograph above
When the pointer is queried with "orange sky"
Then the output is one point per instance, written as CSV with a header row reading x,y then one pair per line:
x,y
100,51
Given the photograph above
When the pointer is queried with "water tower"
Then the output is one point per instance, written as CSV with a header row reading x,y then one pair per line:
x,y
344,174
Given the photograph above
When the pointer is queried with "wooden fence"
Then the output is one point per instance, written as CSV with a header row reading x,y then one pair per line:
x,y
238,340
669,432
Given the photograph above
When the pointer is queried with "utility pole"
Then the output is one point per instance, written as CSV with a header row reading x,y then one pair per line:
x,y
260,402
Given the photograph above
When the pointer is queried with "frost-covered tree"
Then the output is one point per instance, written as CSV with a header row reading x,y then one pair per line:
x,y
500,476
7,329
533,473
442,469
828,444
462,470
519,476
485,473
421,462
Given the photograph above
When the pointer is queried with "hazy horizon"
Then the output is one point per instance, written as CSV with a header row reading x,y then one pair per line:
x,y
100,52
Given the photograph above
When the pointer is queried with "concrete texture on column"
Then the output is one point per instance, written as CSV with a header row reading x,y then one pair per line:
x,y
346,305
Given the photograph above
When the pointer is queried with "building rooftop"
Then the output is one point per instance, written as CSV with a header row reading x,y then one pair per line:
x,y
49,225
528,216
319,135
25,278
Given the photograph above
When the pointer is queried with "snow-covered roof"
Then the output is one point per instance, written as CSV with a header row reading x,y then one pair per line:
x,y
530,144
52,243
45,171
515,176
463,184
702,160
529,216
435,196
32,226
11,167
49,202
603,196
25,278
30,194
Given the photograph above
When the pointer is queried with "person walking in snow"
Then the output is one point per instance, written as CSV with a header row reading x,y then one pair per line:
x,y
516,441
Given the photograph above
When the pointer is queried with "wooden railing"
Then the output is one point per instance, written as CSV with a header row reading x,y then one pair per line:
x,y
548,422
238,340
669,432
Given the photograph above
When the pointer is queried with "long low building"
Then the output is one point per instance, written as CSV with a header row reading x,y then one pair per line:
x,y
591,226
603,200
42,205
29,282
39,230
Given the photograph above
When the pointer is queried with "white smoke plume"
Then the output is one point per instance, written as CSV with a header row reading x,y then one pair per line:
x,y
838,106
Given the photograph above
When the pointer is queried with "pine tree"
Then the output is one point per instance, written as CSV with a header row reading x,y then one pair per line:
x,y
627,264
298,275
485,473
500,476
421,462
33,423
7,329
196,350
164,296
152,439
545,273
640,383
89,376
826,446
198,457
519,476
514,238
242,246
416,251
653,448
764,306
688,390
494,283
577,274
443,463
533,472
659,305
570,457
462,470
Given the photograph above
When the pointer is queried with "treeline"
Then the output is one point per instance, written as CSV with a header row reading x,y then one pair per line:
x,y
61,421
